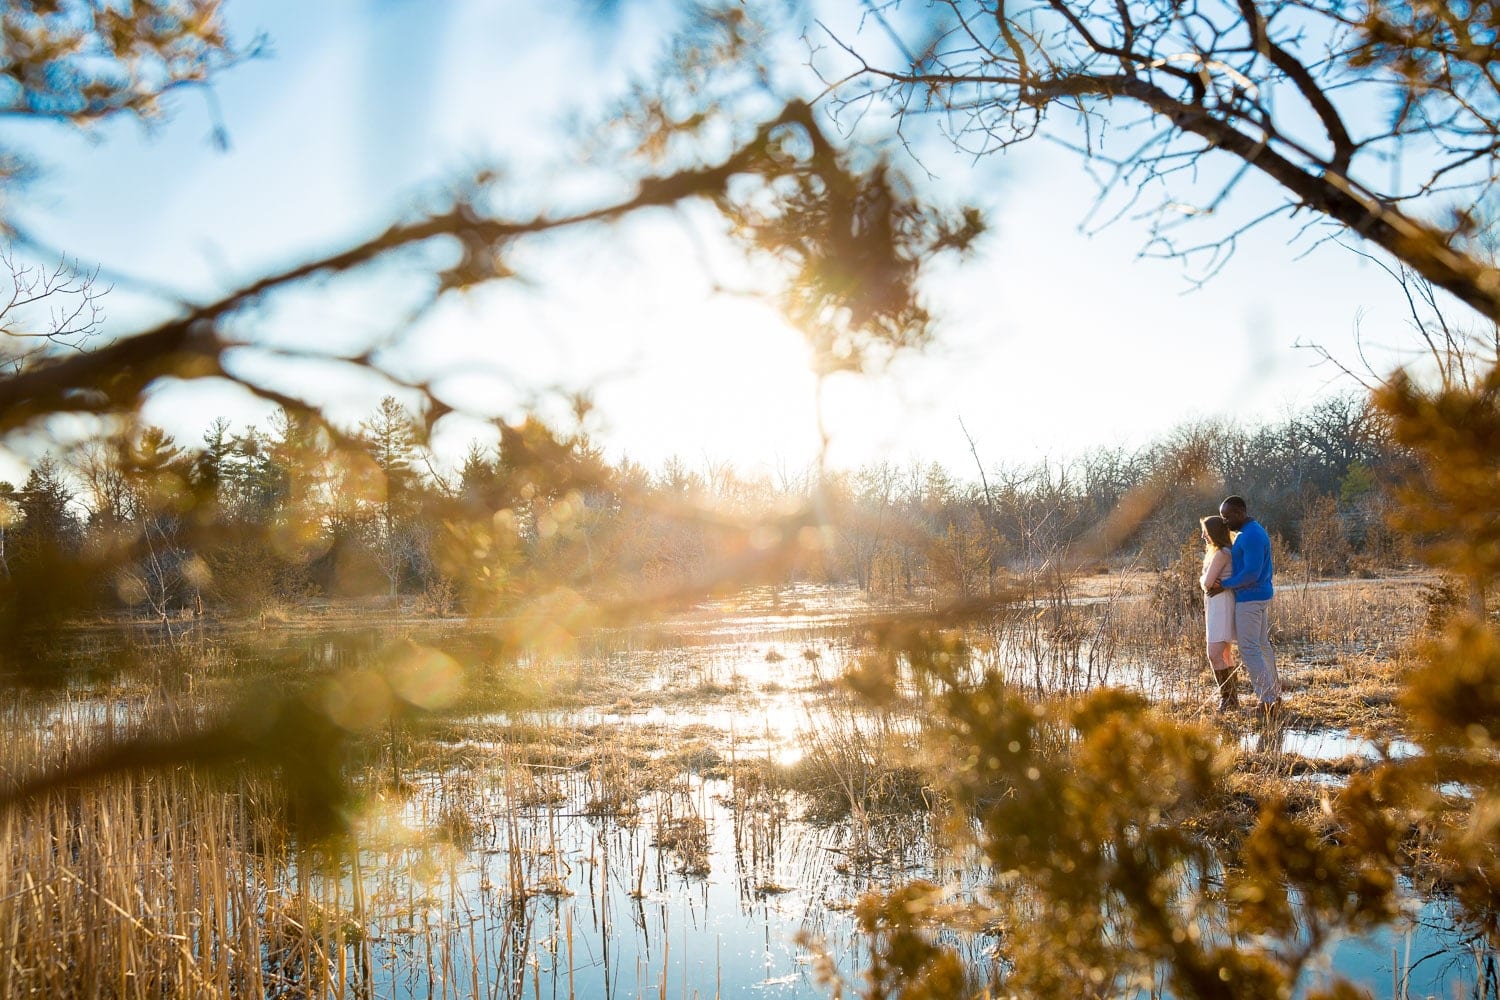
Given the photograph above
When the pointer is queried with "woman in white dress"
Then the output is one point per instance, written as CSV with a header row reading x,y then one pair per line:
x,y
1218,611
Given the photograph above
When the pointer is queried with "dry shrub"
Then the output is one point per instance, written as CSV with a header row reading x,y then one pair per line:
x,y
439,598
1441,601
1325,543
1349,618
682,832
854,766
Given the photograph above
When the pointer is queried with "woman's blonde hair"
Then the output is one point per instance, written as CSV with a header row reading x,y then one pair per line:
x,y
1217,531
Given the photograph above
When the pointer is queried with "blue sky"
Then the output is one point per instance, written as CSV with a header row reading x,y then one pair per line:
x,y
1051,340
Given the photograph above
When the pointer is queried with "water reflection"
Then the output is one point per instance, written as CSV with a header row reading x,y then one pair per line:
x,y
549,898
580,851
1324,744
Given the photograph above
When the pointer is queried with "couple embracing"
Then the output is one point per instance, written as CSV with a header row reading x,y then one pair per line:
x,y
1236,582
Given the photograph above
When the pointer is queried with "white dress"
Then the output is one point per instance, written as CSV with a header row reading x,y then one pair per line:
x,y
1218,611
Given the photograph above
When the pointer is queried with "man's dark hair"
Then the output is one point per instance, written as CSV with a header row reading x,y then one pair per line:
x,y
1236,501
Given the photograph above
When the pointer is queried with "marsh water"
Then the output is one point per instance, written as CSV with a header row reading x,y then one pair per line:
x,y
592,830
602,841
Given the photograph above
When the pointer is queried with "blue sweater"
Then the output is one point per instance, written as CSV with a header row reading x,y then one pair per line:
x,y
1250,564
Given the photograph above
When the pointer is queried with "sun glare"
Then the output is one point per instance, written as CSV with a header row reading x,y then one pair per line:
x,y
674,368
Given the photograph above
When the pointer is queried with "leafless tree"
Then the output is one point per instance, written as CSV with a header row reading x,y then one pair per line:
x,y
1382,118
46,309
1454,352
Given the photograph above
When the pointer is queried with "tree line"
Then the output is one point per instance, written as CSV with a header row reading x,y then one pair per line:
x,y
251,520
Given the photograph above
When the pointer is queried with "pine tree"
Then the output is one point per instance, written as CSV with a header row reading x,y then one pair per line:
x,y
390,437
47,519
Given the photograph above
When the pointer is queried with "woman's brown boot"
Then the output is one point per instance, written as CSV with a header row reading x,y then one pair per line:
x,y
1228,700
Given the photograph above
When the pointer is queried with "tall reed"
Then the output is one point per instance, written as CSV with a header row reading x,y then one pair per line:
x,y
151,886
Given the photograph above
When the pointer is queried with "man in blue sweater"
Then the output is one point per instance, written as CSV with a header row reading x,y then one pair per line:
x,y
1250,573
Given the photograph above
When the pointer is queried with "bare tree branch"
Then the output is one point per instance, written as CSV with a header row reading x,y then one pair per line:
x,y
1263,82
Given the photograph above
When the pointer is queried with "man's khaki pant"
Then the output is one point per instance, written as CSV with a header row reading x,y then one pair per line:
x,y
1252,628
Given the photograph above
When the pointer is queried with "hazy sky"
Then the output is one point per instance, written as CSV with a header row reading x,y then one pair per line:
x,y
1051,340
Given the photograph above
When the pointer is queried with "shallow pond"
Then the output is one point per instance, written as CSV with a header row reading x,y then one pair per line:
x,y
616,851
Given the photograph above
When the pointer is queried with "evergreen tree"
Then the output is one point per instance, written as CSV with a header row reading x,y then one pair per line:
x,y
48,522
47,581
390,437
